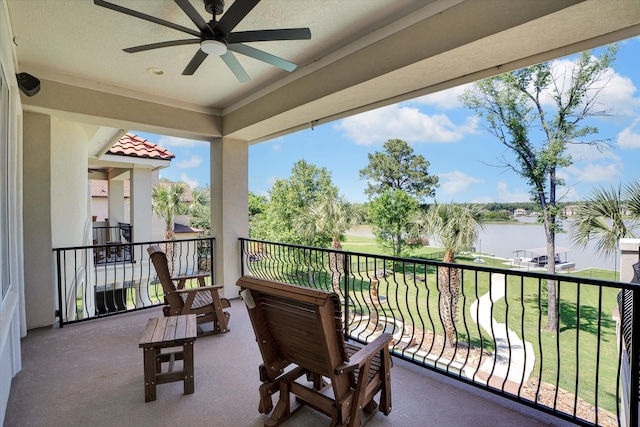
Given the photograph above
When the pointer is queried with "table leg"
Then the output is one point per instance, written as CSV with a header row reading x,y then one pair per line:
x,y
187,367
149,374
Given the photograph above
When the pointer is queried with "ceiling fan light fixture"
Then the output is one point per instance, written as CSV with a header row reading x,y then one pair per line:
x,y
214,47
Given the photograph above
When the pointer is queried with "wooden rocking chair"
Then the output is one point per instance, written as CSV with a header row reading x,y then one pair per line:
x,y
300,329
204,301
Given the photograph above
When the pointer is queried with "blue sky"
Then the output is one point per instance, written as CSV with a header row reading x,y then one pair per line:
x,y
460,151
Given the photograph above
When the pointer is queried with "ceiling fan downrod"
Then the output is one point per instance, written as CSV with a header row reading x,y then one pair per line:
x,y
214,7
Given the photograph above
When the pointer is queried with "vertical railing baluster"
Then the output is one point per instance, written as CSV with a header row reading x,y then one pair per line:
x,y
60,299
346,259
635,358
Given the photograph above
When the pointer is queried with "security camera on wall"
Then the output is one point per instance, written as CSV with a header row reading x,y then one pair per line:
x,y
28,84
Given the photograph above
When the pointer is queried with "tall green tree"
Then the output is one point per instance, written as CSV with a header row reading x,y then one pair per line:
x,y
398,168
200,209
456,228
601,218
289,199
257,210
514,107
390,215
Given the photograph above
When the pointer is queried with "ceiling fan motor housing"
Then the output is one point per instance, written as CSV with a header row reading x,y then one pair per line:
x,y
214,7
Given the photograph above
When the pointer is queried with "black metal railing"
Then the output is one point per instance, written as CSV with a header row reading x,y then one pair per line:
x,y
107,244
481,325
89,289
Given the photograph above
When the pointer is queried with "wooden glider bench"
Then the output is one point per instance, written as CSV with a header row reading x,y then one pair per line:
x,y
299,333
204,301
165,332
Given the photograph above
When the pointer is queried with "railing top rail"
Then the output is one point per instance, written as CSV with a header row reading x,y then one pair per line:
x,y
152,242
478,268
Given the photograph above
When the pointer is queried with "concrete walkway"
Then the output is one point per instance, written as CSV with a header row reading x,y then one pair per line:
x,y
511,364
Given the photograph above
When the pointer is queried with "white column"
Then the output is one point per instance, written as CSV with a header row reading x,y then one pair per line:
x,y
229,208
39,281
629,255
116,202
140,204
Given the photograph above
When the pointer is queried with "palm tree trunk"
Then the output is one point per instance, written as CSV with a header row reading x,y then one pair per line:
x,y
169,249
448,282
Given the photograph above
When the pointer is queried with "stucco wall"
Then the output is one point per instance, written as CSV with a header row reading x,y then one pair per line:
x,y
38,273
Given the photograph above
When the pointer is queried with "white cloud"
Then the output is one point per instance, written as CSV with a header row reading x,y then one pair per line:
x,y
616,98
503,194
590,153
483,200
592,172
446,99
193,162
406,123
276,147
456,182
171,141
193,183
629,137
568,194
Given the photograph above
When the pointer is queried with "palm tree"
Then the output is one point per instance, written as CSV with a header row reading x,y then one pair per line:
x,y
455,227
601,217
332,217
168,201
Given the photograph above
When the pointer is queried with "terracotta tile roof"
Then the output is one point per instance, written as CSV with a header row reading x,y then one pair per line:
x,y
133,146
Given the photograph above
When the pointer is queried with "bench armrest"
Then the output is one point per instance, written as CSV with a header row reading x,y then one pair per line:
x,y
194,275
365,353
200,289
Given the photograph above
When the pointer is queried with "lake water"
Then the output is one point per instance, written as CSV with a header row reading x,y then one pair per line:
x,y
502,240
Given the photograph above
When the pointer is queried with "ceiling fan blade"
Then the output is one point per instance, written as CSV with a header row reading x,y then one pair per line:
x,y
195,62
146,17
159,45
193,14
235,67
269,35
236,13
262,56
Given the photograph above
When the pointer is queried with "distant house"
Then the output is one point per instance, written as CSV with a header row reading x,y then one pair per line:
x,y
100,200
184,231
110,180
571,210
520,212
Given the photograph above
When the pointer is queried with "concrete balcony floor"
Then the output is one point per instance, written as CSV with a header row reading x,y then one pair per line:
x,y
90,374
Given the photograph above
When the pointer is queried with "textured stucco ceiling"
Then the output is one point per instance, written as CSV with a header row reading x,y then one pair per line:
x,y
363,53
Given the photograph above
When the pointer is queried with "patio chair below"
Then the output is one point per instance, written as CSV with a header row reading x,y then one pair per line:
x,y
204,301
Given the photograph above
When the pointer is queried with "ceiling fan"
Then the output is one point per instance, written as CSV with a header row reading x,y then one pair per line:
x,y
216,37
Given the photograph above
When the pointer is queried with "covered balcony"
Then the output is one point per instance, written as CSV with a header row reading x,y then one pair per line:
x,y
490,342
67,89
91,373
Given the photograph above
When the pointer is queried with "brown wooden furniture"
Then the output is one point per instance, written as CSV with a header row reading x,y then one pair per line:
x,y
166,332
204,301
299,330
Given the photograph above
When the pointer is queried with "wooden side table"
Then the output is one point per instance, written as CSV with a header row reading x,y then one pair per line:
x,y
166,332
